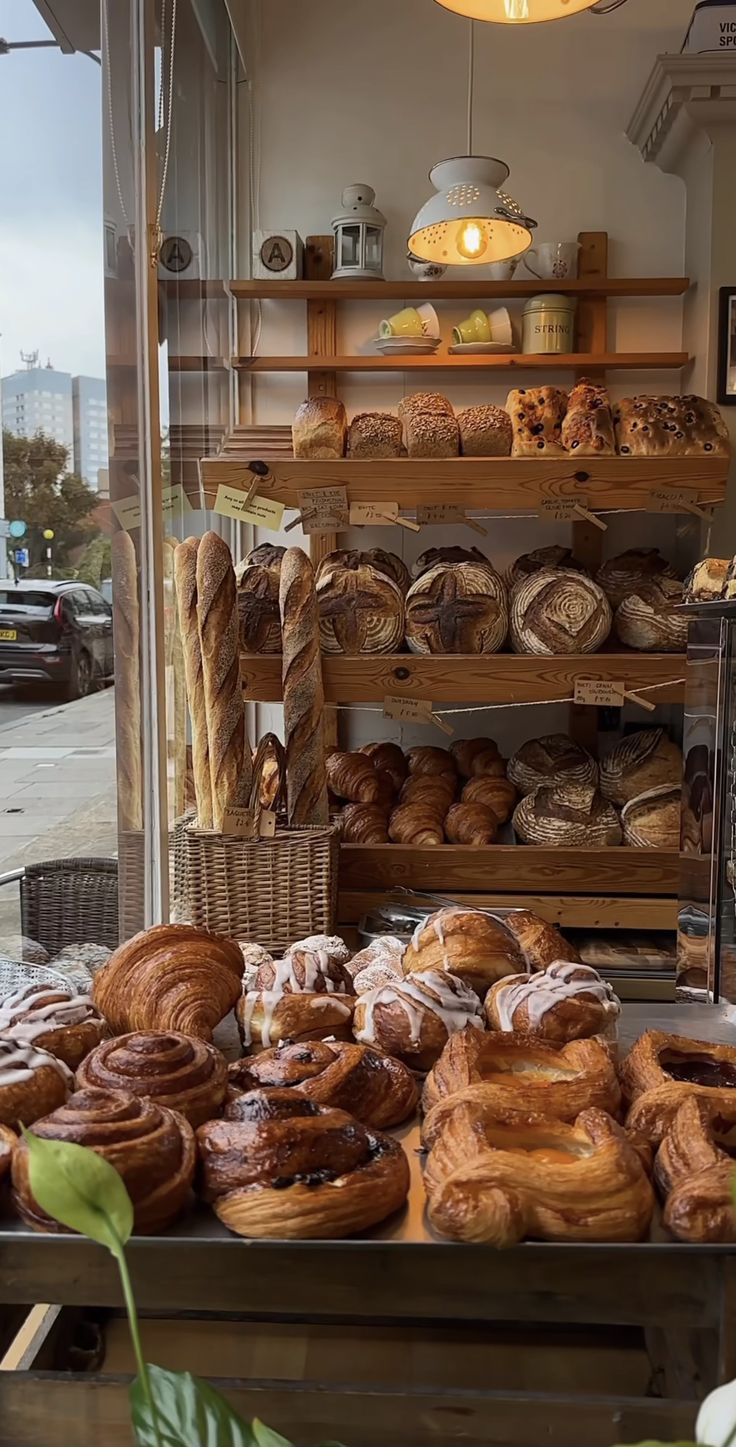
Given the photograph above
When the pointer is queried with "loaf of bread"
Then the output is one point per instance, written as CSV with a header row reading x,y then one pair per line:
x,y
559,611
471,823
639,762
258,609
361,609
485,431
569,816
670,427
550,761
541,558
707,581
266,555
429,428
536,417
374,435
432,556
457,608
389,563
424,402
231,768
185,574
304,702
652,820
587,429
622,575
319,429
127,678
646,620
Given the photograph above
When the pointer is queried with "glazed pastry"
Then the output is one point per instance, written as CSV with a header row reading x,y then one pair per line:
x,y
304,971
383,949
8,1142
266,1017
171,977
289,1168
496,1182
427,759
365,824
473,824
331,945
554,759
389,759
178,1071
466,943
498,795
640,761
415,1017
661,1071
694,1174
353,777
378,1091
32,1082
416,824
567,1001
253,957
384,970
625,573
476,757
569,816
518,1073
65,1024
540,943
152,1148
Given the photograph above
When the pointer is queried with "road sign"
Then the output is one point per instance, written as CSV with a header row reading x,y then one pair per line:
x,y
22,557
17,528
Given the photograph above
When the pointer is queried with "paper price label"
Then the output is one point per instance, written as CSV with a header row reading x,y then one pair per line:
x,y
128,512
668,499
173,501
262,512
439,512
239,824
267,824
323,509
408,710
562,509
378,514
599,693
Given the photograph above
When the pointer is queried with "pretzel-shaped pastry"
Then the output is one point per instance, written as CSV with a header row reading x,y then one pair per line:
x,y
378,1090
57,1020
695,1174
512,1073
661,1071
497,1183
174,1070
283,1166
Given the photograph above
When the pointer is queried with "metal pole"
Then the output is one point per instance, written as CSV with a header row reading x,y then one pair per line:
x,y
3,540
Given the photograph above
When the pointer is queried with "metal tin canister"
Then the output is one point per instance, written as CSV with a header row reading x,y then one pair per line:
x,y
549,324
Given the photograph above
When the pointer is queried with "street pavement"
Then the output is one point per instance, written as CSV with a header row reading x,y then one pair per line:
x,y
15,704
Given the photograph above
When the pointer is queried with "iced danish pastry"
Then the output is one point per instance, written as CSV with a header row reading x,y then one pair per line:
x,y
473,946
414,1018
66,1024
32,1082
567,1001
306,996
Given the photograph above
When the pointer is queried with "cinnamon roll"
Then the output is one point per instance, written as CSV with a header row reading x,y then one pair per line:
x,y
565,1002
377,1090
152,1148
413,1018
467,943
661,1071
32,1082
178,1071
66,1024
289,1168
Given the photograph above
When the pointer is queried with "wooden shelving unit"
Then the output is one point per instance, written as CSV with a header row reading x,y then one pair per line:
x,y
513,867
444,362
444,290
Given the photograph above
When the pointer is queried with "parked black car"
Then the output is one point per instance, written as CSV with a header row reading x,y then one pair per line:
x,y
55,632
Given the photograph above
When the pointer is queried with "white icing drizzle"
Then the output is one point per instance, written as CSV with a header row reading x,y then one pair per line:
x,y
331,945
268,1000
383,971
24,1018
18,1062
449,998
541,992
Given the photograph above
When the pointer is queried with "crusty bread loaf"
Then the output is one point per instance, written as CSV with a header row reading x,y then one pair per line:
x,y
304,702
620,576
485,431
231,767
185,573
258,609
553,556
536,417
639,762
557,612
431,434
424,402
550,761
319,429
670,426
127,682
571,816
707,581
587,429
457,608
361,609
652,820
389,563
374,434
432,556
646,620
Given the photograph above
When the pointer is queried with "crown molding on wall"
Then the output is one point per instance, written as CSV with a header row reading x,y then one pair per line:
x,y
683,95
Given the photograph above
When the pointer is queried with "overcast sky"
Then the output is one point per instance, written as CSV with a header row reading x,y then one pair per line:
x,y
51,294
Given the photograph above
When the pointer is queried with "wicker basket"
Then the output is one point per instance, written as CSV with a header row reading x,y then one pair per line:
x,y
271,891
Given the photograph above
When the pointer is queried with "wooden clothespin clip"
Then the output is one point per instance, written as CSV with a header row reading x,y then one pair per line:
x,y
259,471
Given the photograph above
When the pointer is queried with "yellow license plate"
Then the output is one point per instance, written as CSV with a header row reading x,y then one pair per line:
x,y
8,635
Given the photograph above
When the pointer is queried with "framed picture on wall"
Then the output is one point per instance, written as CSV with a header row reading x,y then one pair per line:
x,y
727,347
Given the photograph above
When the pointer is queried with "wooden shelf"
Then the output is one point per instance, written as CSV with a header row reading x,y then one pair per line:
x,y
478,483
573,911
611,286
500,362
493,678
514,867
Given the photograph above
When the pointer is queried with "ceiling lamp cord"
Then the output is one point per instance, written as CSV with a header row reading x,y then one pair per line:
x,y
471,76
607,9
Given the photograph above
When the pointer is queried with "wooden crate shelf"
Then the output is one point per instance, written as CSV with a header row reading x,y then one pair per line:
x,y
517,868
590,912
450,290
496,362
493,678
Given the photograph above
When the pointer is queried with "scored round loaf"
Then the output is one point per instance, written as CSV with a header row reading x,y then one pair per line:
x,y
646,620
361,610
432,556
652,820
259,619
388,563
559,611
623,574
552,760
570,816
640,761
541,559
485,431
457,608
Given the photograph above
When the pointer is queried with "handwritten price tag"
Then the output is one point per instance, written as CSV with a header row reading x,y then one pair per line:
x,y
439,512
668,499
262,512
323,509
239,824
599,693
173,502
414,710
378,514
267,824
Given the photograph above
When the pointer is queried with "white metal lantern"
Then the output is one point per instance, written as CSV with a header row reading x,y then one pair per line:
x,y
470,220
359,235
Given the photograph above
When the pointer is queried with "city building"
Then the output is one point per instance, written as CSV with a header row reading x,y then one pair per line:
x,y
72,410
89,411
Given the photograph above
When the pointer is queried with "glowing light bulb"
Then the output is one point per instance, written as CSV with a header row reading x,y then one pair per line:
x,y
516,9
471,241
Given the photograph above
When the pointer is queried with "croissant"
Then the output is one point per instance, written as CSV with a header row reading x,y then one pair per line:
x,y
32,1082
353,777
416,824
178,1071
695,1175
414,1018
430,760
389,758
171,977
152,1148
496,793
436,791
365,824
567,1001
496,1183
57,1020
517,1073
467,943
661,1071
283,1166
379,1091
465,752
471,824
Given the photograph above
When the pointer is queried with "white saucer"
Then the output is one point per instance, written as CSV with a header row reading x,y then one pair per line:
x,y
479,349
407,346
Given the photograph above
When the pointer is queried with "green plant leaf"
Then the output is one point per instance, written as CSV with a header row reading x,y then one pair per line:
x,y
80,1189
190,1413
265,1437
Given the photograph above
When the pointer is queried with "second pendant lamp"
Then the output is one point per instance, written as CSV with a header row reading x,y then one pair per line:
x,y
517,12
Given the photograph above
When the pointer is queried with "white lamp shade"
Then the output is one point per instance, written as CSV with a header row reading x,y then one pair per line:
x,y
517,12
470,221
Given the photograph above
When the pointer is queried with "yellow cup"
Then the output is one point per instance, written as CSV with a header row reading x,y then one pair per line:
x,y
475,328
406,323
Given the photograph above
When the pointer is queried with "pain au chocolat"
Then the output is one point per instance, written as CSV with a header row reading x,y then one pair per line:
x,y
661,1071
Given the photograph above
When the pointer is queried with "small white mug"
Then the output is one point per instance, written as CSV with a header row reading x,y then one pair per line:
x,y
556,260
501,270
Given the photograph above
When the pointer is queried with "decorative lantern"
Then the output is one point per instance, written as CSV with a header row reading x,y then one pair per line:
x,y
359,235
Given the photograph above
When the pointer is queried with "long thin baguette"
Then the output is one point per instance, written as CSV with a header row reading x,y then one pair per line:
x,y
126,615
185,578
231,767
306,779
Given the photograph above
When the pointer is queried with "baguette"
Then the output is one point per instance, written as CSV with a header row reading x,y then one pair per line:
x,y
127,681
185,577
231,767
306,776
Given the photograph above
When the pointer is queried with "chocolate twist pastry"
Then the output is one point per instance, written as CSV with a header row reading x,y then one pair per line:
x,y
65,1024
379,1091
152,1148
287,1167
174,1070
32,1082
661,1071
171,977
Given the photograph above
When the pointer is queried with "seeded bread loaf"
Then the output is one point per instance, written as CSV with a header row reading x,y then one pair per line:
x,y
374,434
484,432
429,426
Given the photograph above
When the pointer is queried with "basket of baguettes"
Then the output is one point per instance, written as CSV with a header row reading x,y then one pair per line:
x,y
229,874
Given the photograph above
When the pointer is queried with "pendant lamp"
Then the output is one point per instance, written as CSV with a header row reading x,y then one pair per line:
x,y
527,12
